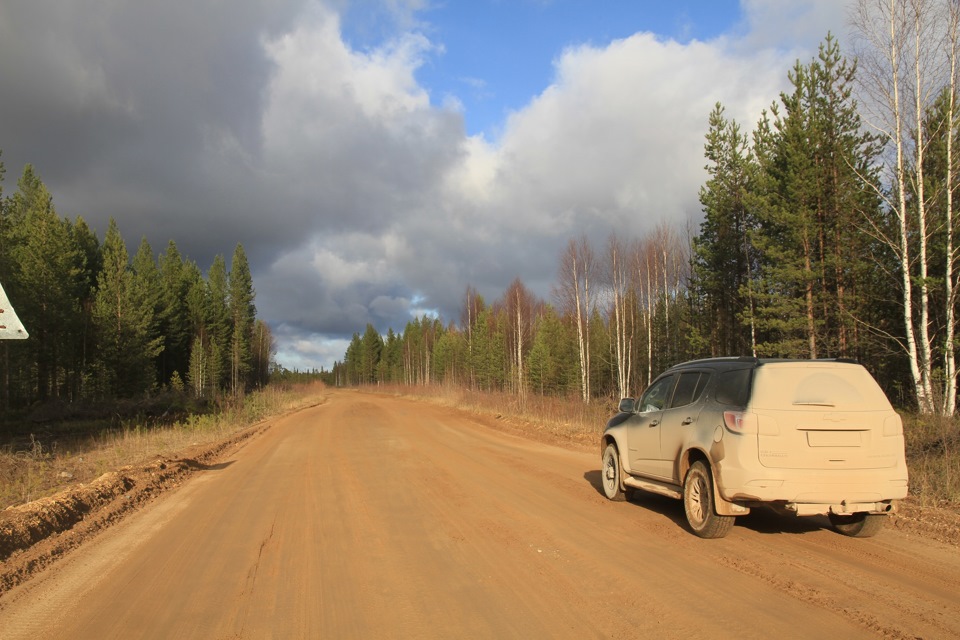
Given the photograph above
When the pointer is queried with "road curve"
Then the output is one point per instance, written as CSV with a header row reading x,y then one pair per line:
x,y
377,517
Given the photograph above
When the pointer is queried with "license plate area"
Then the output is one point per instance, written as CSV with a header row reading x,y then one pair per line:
x,y
834,438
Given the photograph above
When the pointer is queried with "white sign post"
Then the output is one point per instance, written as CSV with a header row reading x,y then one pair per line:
x,y
10,326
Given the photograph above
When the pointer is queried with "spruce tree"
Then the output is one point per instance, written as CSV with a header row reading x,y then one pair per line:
x,y
173,314
723,258
47,282
809,197
218,325
242,315
124,323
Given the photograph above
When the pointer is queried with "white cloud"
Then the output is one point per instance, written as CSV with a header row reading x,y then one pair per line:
x,y
795,27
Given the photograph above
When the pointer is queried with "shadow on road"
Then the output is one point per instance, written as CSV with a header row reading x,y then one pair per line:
x,y
199,466
666,507
761,520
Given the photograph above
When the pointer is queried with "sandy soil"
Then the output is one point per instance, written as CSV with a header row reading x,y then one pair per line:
x,y
370,516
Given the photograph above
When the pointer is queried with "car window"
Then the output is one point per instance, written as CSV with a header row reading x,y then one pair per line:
x,y
690,387
655,397
733,387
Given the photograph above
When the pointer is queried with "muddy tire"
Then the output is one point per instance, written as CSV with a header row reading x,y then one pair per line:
x,y
859,525
698,503
610,474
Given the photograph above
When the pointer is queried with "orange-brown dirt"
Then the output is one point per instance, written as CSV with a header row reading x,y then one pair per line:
x,y
372,516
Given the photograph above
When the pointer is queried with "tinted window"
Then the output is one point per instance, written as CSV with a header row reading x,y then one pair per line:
x,y
655,397
733,387
689,388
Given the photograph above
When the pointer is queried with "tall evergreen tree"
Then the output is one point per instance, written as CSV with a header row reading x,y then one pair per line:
x,y
242,315
124,323
173,315
371,346
809,198
219,328
263,349
148,295
48,281
723,260
351,361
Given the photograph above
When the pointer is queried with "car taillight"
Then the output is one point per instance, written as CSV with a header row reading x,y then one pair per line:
x,y
740,421
893,426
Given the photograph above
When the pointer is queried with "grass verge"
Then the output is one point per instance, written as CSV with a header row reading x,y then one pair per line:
x,y
933,459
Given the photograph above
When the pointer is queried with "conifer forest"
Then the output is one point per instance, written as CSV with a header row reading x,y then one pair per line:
x,y
106,326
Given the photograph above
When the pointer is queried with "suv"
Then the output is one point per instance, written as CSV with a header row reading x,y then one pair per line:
x,y
726,434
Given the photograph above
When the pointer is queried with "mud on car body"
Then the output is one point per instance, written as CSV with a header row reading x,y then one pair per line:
x,y
725,435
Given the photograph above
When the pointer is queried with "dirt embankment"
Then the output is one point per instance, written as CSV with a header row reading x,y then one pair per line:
x,y
35,534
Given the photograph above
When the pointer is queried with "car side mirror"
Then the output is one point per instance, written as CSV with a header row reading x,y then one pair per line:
x,y
627,405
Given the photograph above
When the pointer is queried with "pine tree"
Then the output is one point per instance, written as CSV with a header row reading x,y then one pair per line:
x,y
723,260
198,319
218,325
173,314
47,282
242,315
809,198
351,361
126,349
263,349
148,295
450,355
371,346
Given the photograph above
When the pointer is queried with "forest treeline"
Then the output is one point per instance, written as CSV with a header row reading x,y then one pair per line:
x,y
105,326
822,237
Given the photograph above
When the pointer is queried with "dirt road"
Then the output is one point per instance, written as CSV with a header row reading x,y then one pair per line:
x,y
375,517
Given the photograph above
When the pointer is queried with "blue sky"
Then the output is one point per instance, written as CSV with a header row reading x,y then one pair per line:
x,y
494,55
377,157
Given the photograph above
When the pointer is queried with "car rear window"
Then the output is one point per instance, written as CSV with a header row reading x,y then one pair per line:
x,y
824,386
733,387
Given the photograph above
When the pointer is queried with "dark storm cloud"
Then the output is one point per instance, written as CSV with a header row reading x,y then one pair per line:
x,y
128,108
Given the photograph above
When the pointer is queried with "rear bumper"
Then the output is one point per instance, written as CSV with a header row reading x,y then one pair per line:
x,y
811,492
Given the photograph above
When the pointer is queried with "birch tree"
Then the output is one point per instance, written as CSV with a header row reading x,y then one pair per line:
x,y
577,269
520,307
903,70
621,316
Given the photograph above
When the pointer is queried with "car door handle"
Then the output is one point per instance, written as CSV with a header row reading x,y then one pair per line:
x,y
687,421
654,423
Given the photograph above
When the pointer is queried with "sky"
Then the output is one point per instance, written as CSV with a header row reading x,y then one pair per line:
x,y
376,157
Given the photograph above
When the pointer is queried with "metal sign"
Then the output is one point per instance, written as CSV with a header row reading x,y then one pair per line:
x,y
10,326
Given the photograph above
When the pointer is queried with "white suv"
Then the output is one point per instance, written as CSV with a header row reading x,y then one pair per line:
x,y
727,434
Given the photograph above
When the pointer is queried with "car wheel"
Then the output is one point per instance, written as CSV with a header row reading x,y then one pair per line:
x,y
610,474
698,503
859,525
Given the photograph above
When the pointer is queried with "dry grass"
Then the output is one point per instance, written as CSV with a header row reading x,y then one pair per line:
x,y
933,459
40,470
567,418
